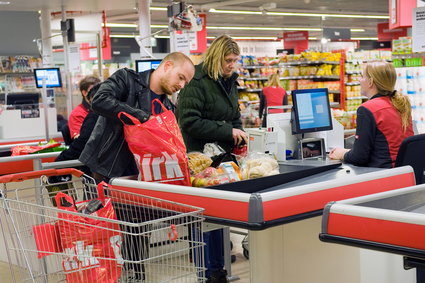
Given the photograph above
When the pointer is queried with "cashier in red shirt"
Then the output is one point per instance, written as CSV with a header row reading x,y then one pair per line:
x,y
383,122
80,112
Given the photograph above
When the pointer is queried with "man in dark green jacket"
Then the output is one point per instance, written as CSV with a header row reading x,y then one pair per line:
x,y
208,111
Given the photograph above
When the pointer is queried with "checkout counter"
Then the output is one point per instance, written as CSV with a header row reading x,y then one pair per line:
x,y
284,220
391,222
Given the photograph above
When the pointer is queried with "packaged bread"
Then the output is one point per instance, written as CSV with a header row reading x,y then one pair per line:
x,y
198,162
259,165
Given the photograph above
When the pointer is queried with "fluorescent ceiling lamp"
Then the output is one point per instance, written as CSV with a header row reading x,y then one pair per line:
x,y
117,25
300,14
158,8
123,36
256,37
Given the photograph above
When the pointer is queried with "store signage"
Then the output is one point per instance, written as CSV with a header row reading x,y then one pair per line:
x,y
201,37
387,34
336,33
418,30
401,13
88,51
180,42
297,40
74,57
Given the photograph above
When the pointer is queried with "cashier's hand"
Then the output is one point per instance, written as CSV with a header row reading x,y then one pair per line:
x,y
239,136
338,153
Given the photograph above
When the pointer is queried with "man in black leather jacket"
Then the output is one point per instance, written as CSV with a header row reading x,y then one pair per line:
x,y
106,153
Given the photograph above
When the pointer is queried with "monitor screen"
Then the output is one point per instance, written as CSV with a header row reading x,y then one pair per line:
x,y
52,76
312,111
18,99
147,64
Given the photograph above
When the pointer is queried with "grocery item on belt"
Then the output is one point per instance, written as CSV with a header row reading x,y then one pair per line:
x,y
198,162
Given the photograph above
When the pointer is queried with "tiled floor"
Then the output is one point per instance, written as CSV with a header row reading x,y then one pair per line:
x,y
240,267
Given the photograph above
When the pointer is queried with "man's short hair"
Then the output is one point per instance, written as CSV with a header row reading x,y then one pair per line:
x,y
178,58
87,82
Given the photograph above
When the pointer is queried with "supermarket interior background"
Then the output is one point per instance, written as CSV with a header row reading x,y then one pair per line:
x,y
311,44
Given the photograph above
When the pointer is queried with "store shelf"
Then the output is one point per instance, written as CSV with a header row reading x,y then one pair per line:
x,y
245,89
294,78
351,112
353,72
259,66
300,63
254,78
297,63
16,73
310,77
353,83
368,60
356,97
334,91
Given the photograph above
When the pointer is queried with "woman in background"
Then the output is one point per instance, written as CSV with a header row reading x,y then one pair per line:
x,y
272,95
383,122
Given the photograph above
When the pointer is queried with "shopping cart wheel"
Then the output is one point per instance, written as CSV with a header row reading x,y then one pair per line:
x,y
246,253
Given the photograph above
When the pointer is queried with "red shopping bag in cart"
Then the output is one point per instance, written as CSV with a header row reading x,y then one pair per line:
x,y
92,245
28,149
158,147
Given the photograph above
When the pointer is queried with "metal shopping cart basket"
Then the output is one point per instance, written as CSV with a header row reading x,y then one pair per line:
x,y
77,231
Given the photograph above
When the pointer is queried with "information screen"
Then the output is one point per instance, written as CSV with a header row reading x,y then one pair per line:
x,y
312,111
51,75
147,64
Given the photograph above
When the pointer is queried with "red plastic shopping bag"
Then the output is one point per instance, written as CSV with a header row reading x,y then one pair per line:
x,y
46,238
28,149
92,246
158,147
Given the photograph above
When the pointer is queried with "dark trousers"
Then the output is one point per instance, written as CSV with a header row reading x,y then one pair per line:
x,y
213,251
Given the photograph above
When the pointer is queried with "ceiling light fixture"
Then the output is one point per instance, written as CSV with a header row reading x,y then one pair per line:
x,y
158,8
301,14
117,25
273,38
4,2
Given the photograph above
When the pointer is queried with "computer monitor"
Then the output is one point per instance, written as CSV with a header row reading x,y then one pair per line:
x,y
17,100
52,76
311,111
147,64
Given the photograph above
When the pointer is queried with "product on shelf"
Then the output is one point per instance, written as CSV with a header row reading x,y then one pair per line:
x,y
18,64
347,119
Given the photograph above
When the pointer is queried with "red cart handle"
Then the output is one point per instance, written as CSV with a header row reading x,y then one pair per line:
x,y
37,174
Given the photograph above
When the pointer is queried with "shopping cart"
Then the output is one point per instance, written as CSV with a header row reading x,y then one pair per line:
x,y
77,231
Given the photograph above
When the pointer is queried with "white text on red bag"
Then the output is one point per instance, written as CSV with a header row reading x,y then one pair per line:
x,y
81,257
